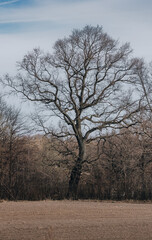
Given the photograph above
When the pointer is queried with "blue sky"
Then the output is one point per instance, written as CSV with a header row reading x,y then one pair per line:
x,y
25,24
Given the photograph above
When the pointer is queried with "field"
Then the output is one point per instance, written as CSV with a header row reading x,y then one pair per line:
x,y
75,220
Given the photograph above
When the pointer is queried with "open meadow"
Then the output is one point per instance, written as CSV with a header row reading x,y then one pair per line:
x,y
75,220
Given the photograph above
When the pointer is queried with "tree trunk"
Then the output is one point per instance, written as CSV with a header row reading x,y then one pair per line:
x,y
76,173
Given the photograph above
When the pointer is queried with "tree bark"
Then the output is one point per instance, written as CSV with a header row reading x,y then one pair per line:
x,y
76,173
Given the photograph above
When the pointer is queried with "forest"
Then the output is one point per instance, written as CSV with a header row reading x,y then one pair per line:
x,y
92,136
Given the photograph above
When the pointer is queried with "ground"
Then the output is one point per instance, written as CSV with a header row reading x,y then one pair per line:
x,y
75,220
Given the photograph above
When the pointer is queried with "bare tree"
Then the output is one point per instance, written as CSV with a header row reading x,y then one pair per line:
x,y
12,127
144,84
88,83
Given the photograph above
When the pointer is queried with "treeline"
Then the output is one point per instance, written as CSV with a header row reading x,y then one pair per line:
x,y
119,166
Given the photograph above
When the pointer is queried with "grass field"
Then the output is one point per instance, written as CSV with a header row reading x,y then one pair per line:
x,y
75,220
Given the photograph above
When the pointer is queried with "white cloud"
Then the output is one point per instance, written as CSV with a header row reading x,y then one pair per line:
x,y
8,2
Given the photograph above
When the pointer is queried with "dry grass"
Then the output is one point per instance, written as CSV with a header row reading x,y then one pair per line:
x,y
75,220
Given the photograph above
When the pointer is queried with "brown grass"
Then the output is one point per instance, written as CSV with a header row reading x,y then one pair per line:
x,y
75,220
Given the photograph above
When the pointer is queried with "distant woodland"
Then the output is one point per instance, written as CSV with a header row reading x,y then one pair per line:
x,y
101,144
36,167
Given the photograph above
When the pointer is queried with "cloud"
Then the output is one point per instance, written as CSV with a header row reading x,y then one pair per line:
x,y
54,11
8,2
43,22
77,13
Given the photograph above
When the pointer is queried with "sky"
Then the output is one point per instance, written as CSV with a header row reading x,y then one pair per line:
x,y
25,24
